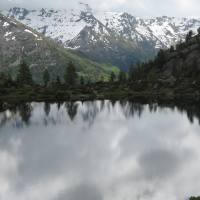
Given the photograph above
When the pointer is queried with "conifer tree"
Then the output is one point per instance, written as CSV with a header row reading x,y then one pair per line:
x,y
160,59
122,77
112,77
82,81
172,49
189,36
3,80
24,76
198,31
46,77
70,76
131,73
58,82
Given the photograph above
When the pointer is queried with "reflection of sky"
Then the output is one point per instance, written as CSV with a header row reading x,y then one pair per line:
x,y
101,155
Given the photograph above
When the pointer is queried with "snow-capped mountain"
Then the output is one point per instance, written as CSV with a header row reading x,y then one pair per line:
x,y
117,38
19,42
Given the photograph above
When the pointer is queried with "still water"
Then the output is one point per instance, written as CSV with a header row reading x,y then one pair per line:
x,y
99,150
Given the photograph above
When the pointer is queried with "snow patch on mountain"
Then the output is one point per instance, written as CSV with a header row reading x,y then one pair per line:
x,y
6,24
28,31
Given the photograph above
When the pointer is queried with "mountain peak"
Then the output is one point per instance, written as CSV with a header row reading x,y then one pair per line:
x,y
86,7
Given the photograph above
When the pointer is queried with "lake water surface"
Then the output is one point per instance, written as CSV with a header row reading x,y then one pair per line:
x,y
99,150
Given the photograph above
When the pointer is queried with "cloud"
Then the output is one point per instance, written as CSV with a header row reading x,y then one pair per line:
x,y
145,8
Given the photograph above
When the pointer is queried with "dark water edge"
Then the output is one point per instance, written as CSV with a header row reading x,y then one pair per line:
x,y
141,97
9,101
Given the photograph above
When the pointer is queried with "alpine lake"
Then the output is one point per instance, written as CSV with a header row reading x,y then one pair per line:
x,y
99,150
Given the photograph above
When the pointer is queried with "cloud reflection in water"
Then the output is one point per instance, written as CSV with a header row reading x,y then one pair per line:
x,y
99,151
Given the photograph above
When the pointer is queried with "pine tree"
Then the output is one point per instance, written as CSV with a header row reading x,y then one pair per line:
x,y
131,73
46,77
24,76
198,31
58,82
172,49
3,80
122,77
82,81
160,59
112,77
89,81
189,36
70,75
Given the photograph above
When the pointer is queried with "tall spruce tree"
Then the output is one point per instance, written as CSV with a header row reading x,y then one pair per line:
x,y
58,82
82,81
189,36
198,31
112,77
160,59
46,77
70,76
131,73
24,76
122,77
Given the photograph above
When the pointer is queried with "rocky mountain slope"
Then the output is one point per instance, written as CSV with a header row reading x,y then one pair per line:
x,y
181,63
117,38
173,72
18,42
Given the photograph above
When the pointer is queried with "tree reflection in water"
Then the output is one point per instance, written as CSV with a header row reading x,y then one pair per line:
x,y
25,111
47,108
90,110
72,108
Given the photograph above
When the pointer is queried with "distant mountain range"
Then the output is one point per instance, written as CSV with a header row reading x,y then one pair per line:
x,y
17,42
106,37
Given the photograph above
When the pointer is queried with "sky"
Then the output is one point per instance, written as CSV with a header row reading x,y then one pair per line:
x,y
145,8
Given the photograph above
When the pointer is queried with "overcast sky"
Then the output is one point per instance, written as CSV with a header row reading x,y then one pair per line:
x,y
136,7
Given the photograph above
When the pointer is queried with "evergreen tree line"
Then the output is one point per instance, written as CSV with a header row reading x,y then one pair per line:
x,y
25,78
70,77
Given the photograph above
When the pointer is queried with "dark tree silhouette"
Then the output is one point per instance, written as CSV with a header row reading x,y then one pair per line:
x,y
82,81
112,77
122,77
70,75
25,111
160,59
46,77
58,82
71,109
198,31
189,36
24,76
47,108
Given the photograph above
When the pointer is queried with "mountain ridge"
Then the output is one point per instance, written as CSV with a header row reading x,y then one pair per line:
x,y
19,42
117,38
